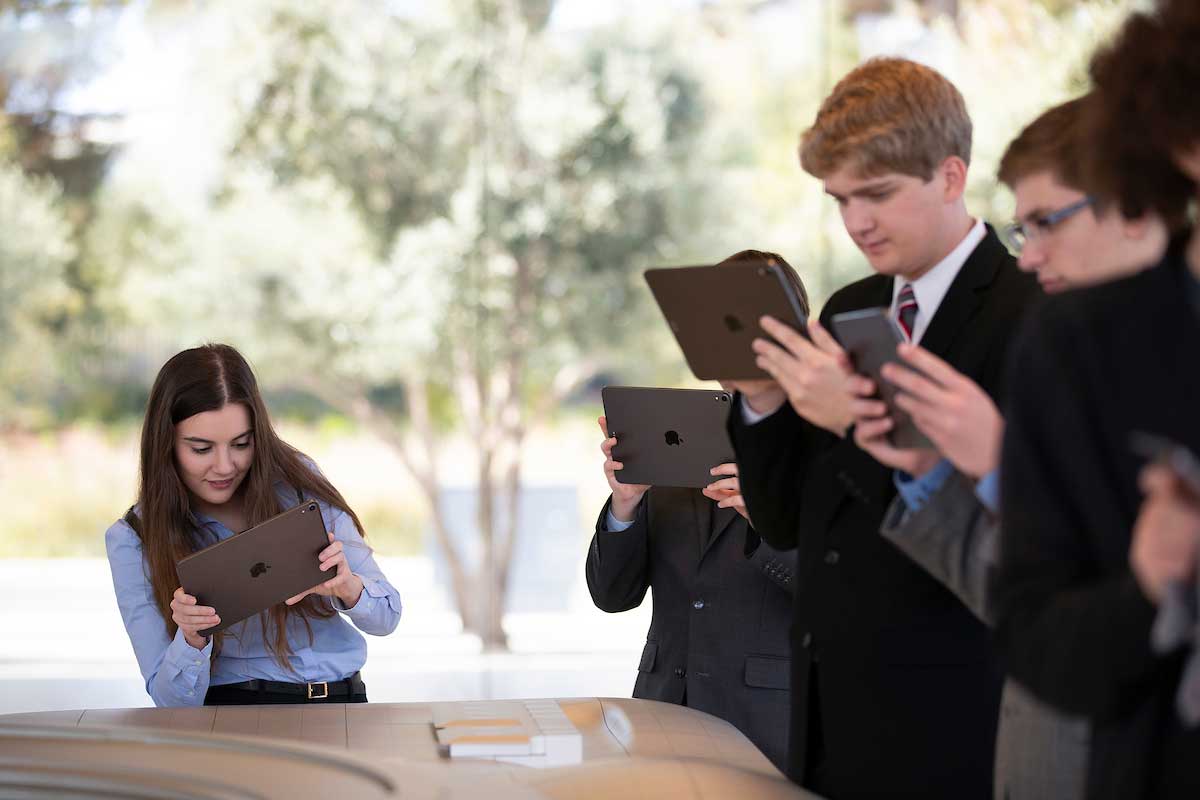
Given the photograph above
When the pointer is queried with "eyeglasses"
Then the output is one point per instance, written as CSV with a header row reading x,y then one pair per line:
x,y
1021,233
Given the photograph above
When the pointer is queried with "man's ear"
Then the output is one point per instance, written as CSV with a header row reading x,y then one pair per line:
x,y
954,178
1137,228
1148,230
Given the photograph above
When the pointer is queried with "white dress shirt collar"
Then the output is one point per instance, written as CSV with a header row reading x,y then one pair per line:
x,y
931,287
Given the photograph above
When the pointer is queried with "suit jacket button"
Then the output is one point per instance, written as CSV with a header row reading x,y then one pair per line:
x,y
699,604
832,557
680,672
807,640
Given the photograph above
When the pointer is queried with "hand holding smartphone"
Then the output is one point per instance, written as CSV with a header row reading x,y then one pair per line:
x,y
870,337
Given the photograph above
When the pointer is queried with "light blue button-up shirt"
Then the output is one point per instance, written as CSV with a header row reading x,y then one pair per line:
x,y
178,674
917,492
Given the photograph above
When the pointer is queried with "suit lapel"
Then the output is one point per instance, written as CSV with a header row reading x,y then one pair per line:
x,y
719,521
964,296
703,509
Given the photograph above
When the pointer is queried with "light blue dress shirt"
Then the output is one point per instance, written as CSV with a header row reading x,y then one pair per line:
x,y
916,492
614,525
177,674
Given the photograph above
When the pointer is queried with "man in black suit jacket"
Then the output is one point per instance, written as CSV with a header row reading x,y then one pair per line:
x,y
1093,540
894,684
718,638
1075,620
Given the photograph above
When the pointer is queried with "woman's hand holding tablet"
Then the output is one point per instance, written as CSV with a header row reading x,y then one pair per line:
x,y
192,618
344,585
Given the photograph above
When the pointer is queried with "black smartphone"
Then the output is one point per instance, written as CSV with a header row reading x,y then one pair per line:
x,y
870,338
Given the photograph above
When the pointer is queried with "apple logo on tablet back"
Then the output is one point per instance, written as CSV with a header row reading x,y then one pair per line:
x,y
673,438
259,569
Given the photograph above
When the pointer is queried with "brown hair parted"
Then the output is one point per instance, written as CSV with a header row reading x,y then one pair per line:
x,y
767,257
191,382
888,115
1145,112
1052,143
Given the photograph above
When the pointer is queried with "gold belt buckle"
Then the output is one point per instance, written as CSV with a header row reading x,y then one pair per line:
x,y
324,691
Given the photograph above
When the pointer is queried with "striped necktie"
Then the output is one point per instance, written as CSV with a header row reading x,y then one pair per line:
x,y
906,309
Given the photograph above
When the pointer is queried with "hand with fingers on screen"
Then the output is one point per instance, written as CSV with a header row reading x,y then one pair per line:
x,y
953,412
814,373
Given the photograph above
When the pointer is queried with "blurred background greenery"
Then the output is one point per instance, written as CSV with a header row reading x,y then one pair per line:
x,y
424,223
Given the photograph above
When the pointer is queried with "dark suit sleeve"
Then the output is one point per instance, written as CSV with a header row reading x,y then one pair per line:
x,y
617,567
779,566
774,457
1073,633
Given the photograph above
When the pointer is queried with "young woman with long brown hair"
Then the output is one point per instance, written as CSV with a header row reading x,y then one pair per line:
x,y
212,465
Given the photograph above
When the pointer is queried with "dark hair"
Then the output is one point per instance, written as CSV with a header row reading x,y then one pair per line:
x,y
1051,143
191,382
1145,111
767,257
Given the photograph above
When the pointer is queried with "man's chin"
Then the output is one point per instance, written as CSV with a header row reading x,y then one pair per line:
x,y
884,264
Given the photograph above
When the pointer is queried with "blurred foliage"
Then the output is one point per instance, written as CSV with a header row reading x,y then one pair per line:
x,y
343,191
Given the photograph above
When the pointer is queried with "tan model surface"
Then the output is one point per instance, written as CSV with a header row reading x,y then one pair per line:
x,y
631,749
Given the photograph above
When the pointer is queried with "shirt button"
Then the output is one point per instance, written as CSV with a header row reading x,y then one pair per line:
x,y
807,640
680,672
832,557
699,604
190,692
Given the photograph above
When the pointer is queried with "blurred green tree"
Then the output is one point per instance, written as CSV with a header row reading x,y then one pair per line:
x,y
454,208
54,155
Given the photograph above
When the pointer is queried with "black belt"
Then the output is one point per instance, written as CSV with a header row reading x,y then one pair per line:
x,y
318,690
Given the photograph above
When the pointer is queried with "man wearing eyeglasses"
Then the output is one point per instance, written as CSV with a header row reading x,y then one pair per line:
x,y
1067,236
945,518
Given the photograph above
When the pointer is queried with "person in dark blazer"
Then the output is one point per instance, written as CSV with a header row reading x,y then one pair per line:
x,y
1091,536
946,518
895,686
718,638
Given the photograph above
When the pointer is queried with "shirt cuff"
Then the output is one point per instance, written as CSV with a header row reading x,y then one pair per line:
x,y
916,491
988,491
186,658
614,525
187,670
749,415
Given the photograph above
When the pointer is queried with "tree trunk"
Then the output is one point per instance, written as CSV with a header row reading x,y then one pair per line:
x,y
491,616
358,406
